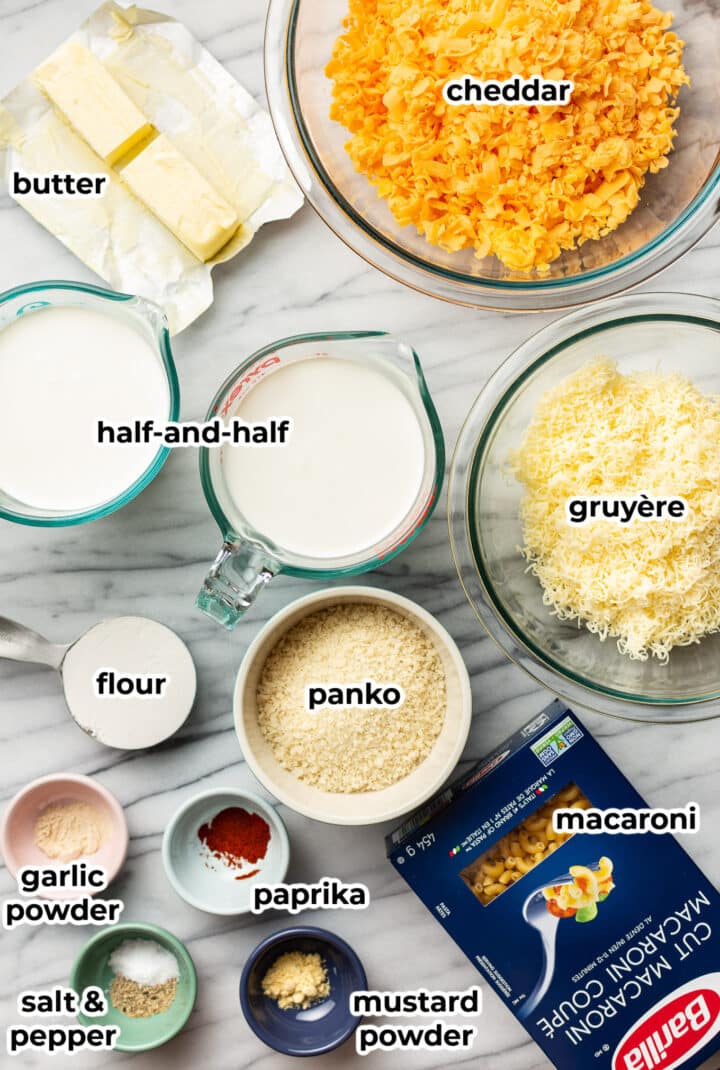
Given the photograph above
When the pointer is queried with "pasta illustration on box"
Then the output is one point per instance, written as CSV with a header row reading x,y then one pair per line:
x,y
567,928
578,897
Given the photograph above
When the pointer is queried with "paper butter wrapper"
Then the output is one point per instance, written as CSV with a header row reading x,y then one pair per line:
x,y
189,96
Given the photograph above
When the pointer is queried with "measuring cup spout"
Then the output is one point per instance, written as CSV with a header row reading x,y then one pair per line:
x,y
18,643
238,574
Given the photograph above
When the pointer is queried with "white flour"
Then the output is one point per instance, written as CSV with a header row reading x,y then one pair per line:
x,y
129,648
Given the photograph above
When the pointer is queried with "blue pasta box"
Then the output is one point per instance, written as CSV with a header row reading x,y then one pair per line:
x,y
605,945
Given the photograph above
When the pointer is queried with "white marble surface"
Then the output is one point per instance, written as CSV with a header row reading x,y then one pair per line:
x,y
150,559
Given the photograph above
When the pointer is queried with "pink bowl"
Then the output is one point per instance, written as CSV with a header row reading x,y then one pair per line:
x,y
18,827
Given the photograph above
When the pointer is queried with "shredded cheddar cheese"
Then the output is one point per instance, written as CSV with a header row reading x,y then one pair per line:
x,y
523,183
650,585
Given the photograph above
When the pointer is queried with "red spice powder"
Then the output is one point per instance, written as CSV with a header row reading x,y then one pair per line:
x,y
235,836
244,876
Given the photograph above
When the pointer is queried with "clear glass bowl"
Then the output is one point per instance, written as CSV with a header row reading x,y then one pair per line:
x,y
669,332
678,205
146,318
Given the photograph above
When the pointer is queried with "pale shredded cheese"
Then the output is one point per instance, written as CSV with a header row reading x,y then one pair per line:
x,y
651,585
523,183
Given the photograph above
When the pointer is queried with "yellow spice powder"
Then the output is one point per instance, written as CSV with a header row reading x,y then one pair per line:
x,y
522,183
296,980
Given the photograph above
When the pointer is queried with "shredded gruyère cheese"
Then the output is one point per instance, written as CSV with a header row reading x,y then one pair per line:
x,y
523,183
651,585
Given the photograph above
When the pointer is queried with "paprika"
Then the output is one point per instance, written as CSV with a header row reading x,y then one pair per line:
x,y
235,836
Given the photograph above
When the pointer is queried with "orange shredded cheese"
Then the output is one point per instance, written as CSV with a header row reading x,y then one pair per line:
x,y
522,183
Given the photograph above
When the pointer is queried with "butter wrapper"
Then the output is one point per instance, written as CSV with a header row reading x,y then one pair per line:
x,y
186,94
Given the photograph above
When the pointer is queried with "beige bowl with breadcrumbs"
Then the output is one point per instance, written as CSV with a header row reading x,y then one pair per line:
x,y
356,808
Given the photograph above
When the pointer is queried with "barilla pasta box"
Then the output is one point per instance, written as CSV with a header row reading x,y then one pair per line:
x,y
606,946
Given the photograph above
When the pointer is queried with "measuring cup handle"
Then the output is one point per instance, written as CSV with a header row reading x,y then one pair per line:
x,y
18,643
240,571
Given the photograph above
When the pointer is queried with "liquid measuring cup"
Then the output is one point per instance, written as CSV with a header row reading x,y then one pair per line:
x,y
125,645
146,319
249,559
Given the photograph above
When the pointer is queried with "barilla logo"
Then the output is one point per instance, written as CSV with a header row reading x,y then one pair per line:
x,y
673,1030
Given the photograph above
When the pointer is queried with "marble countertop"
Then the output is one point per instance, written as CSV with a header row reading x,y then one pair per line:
x,y
150,559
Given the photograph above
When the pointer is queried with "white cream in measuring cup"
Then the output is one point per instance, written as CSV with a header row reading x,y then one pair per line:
x,y
347,485
129,682
351,469
62,369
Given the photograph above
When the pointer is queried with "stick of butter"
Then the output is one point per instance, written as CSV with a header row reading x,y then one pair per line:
x,y
92,101
175,191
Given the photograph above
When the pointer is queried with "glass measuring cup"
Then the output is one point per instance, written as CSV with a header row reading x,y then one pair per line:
x,y
150,321
248,559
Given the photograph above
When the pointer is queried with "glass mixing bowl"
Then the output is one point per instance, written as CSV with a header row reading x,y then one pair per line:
x,y
678,205
665,332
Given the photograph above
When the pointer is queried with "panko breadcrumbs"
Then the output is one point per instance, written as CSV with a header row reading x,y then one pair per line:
x,y
522,183
352,749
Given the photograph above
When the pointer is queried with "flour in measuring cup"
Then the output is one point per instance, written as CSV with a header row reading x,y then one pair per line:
x,y
62,370
137,712
351,470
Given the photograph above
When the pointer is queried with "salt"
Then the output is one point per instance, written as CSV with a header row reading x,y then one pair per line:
x,y
145,962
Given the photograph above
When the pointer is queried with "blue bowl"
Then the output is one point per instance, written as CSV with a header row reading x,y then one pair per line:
x,y
325,1025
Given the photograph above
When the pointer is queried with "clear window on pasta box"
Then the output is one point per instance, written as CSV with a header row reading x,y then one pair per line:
x,y
528,843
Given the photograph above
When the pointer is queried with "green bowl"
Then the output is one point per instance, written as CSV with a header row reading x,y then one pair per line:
x,y
91,968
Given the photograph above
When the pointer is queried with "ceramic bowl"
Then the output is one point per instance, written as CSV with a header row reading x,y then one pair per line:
x,y
208,883
324,1026
18,826
357,808
91,967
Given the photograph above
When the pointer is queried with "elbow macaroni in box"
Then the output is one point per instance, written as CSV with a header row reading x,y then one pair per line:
x,y
606,947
